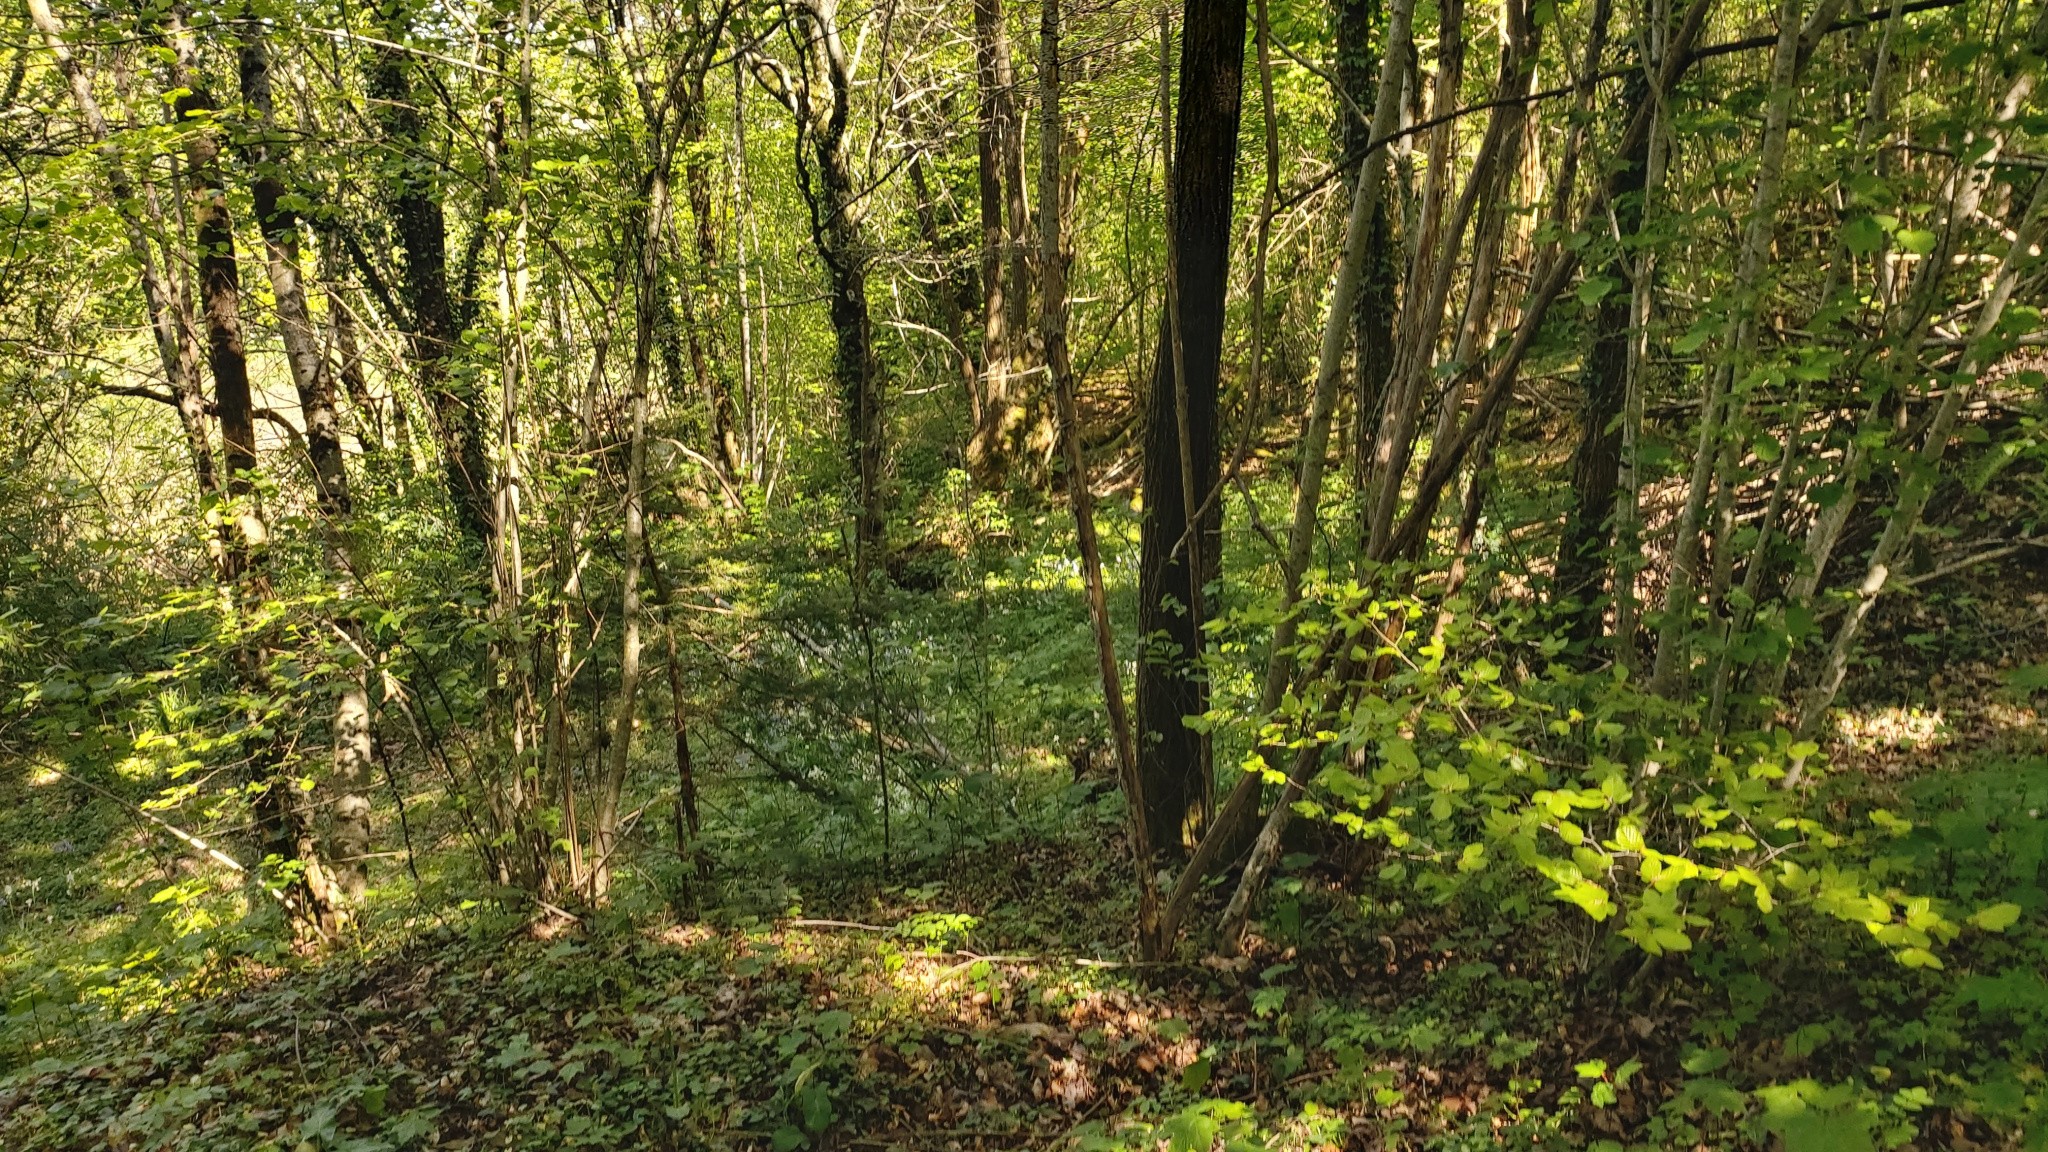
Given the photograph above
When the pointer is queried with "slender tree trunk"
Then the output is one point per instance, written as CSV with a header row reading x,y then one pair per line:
x,y
1354,257
647,309
1642,285
712,382
1673,668
414,202
1241,805
1054,256
1177,786
353,768
283,824
821,97
1553,274
1429,277
1596,462
1372,335
999,150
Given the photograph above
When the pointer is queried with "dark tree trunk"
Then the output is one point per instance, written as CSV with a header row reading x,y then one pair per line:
x,y
1373,318
284,827
821,97
711,382
414,202
999,155
220,298
1171,760
1596,462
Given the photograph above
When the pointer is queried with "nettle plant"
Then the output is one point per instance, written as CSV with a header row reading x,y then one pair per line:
x,y
1465,748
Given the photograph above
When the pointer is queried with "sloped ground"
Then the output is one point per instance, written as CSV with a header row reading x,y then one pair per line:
x,y
783,1035
919,1028
983,1004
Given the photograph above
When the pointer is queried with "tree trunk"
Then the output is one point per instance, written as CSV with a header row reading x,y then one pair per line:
x,y
1596,462
1372,334
711,382
1171,760
351,778
821,99
282,823
1672,672
413,200
1240,807
647,310
1054,255
999,151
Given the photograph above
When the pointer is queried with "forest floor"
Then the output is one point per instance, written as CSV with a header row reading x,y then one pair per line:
x,y
982,1000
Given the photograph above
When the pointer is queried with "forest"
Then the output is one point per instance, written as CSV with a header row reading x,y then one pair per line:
x,y
1161,575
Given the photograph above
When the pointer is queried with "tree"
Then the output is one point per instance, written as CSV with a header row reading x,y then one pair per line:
x,y
1180,549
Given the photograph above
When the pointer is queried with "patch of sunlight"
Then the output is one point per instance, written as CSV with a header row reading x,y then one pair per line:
x,y
1871,730
43,777
686,935
2010,717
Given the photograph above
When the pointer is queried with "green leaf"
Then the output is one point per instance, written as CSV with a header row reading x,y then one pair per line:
x,y
1701,1061
1920,958
1195,1076
1593,289
1918,241
1862,235
1400,753
816,1106
1996,918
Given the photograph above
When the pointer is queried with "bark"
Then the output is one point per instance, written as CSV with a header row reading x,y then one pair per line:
x,y
348,836
1603,382
821,98
1642,283
647,311
413,199
1429,277
999,148
281,821
711,383
1364,219
1355,255
220,294
1177,786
